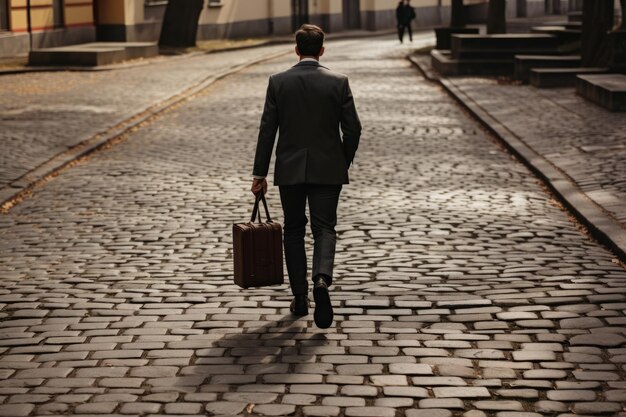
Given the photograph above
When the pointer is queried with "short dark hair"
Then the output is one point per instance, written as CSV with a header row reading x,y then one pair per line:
x,y
310,39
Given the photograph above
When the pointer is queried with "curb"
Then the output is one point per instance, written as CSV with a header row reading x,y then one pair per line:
x,y
13,193
599,223
162,57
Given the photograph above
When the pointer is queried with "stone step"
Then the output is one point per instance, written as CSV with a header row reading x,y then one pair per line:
x,y
473,54
92,54
560,77
568,25
502,46
564,34
444,33
443,62
575,16
524,63
606,90
518,41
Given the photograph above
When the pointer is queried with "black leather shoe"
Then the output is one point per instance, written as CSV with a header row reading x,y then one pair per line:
x,y
300,305
323,315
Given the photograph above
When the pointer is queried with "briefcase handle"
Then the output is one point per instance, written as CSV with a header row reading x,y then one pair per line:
x,y
256,212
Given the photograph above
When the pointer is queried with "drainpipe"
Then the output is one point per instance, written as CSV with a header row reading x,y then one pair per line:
x,y
270,16
29,25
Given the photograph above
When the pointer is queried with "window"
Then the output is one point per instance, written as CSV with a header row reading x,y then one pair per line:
x,y
4,15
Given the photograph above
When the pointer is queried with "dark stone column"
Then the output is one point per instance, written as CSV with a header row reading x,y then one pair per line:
x,y
597,23
457,19
622,24
496,17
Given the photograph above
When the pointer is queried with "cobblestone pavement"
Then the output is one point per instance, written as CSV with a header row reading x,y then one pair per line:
x,y
585,141
44,114
461,288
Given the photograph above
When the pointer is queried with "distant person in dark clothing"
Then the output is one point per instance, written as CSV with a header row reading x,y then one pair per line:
x,y
405,14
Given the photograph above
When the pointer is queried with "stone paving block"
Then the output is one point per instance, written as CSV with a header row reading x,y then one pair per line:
x,y
474,413
140,408
438,381
274,409
414,392
533,355
321,410
499,405
250,397
16,409
52,409
548,407
571,395
393,402
461,392
298,399
595,376
505,373
518,393
596,407
96,408
431,412
344,401
316,389
359,369
359,391
225,407
603,340
370,412
545,374
410,369
389,380
442,403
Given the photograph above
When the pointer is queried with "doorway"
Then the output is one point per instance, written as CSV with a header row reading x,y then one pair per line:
x,y
351,14
299,13
4,15
58,12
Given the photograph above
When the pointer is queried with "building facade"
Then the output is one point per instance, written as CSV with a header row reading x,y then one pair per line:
x,y
26,24
33,24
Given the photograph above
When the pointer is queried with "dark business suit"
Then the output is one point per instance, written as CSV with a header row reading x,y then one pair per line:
x,y
308,105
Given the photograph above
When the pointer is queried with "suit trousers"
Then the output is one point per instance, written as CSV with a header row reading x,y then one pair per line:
x,y
323,200
402,28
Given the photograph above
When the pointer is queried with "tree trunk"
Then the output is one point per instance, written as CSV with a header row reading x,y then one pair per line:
x,y
597,23
180,23
457,19
496,17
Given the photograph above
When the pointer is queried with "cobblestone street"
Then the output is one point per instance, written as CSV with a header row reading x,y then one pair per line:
x,y
462,288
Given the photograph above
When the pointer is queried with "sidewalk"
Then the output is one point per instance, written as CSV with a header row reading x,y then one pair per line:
x,y
578,148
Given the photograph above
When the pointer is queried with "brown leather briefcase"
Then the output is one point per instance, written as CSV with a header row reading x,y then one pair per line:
x,y
258,250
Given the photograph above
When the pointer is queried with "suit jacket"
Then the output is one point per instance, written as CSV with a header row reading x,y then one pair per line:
x,y
308,105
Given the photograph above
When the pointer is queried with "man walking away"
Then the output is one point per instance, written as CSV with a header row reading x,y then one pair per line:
x,y
405,13
308,105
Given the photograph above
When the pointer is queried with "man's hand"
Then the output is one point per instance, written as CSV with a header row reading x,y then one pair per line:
x,y
259,186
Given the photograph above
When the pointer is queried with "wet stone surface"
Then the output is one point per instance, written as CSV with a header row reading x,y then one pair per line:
x,y
460,288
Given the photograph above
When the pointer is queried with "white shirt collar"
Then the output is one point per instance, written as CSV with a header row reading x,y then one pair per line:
x,y
309,60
